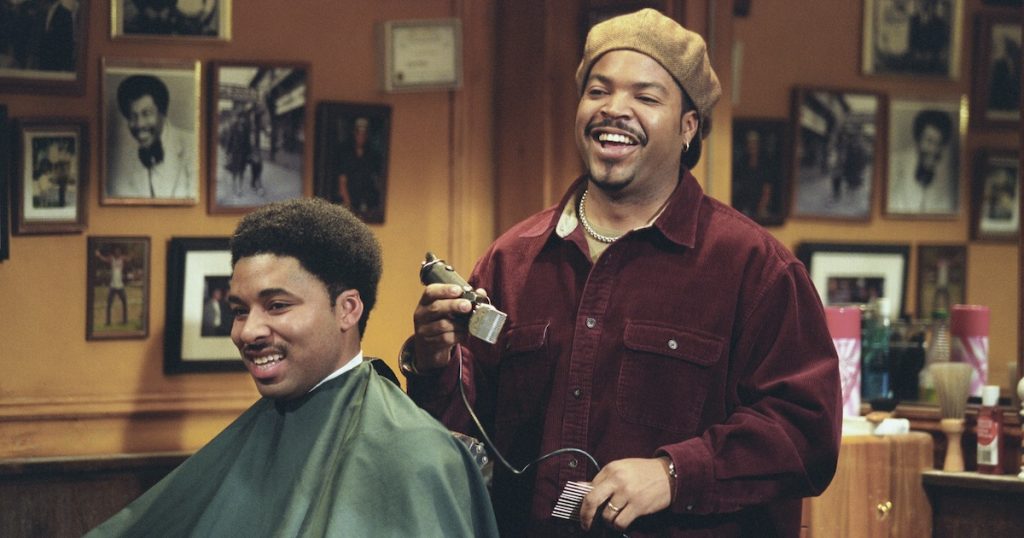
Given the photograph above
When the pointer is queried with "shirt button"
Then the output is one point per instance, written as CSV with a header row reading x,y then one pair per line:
x,y
591,323
690,507
576,393
573,463
672,344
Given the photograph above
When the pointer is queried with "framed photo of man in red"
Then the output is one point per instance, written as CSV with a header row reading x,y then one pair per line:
x,y
352,146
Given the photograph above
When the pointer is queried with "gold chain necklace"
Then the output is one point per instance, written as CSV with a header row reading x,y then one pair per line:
x,y
586,224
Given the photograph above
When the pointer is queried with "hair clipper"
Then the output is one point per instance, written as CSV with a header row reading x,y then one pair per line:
x,y
485,322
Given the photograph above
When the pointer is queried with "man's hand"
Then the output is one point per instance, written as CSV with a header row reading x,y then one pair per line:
x,y
440,322
625,490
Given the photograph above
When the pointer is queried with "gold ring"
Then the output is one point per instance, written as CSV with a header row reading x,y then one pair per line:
x,y
611,506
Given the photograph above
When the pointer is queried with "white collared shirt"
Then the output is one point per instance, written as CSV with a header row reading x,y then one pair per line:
x,y
356,361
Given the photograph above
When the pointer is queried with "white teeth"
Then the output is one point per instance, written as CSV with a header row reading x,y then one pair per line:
x,y
615,138
260,361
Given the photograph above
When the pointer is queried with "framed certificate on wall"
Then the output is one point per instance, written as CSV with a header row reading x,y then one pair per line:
x,y
420,55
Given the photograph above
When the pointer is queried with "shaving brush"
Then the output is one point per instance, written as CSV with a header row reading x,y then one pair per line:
x,y
952,383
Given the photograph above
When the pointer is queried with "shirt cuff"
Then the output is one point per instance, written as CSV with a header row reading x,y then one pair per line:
x,y
694,476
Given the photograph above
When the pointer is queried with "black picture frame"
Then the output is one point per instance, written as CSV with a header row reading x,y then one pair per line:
x,y
913,39
123,260
760,169
51,190
996,73
339,127
995,196
836,146
59,67
194,266
929,256
203,22
258,119
856,273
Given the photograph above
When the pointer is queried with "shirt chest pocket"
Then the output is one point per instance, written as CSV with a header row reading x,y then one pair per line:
x,y
665,374
524,374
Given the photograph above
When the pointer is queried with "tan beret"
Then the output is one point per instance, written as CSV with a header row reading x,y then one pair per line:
x,y
681,52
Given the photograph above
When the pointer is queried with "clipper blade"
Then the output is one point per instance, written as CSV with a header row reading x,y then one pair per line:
x,y
486,322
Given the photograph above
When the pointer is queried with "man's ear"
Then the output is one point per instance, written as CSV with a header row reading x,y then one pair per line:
x,y
689,124
348,308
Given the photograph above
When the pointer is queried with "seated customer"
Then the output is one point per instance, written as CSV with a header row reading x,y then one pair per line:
x,y
332,448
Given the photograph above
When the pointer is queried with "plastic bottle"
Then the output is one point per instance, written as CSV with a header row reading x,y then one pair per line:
x,y
939,343
876,376
990,426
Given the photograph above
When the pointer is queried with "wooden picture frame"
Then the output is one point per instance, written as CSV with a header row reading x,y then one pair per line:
x,y
929,259
996,79
760,169
5,198
915,39
135,169
47,48
995,196
836,148
850,273
196,266
206,21
51,189
118,268
344,173
257,134
924,135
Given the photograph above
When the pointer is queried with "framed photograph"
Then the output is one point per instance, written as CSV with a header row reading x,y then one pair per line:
x,y
117,288
940,265
836,139
760,177
201,20
995,196
198,317
923,177
51,188
995,98
420,55
857,273
150,117
352,148
912,38
5,167
258,136
42,48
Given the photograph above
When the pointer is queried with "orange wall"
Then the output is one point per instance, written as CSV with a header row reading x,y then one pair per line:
x,y
62,394
819,45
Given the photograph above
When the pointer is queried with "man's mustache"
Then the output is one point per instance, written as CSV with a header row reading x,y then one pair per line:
x,y
616,124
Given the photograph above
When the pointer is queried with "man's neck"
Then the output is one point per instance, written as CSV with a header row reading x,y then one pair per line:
x,y
614,211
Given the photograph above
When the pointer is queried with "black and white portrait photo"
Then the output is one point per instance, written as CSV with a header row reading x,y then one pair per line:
x,y
151,119
352,157
924,159
203,19
260,141
835,154
42,43
912,37
758,177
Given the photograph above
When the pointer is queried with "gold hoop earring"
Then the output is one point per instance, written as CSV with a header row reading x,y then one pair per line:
x,y
686,147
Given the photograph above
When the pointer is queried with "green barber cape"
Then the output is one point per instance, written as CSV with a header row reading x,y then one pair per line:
x,y
354,457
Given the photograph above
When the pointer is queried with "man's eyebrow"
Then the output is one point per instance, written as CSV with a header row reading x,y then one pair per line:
x,y
636,85
269,292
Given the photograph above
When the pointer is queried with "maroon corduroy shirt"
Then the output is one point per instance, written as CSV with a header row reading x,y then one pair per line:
x,y
699,337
